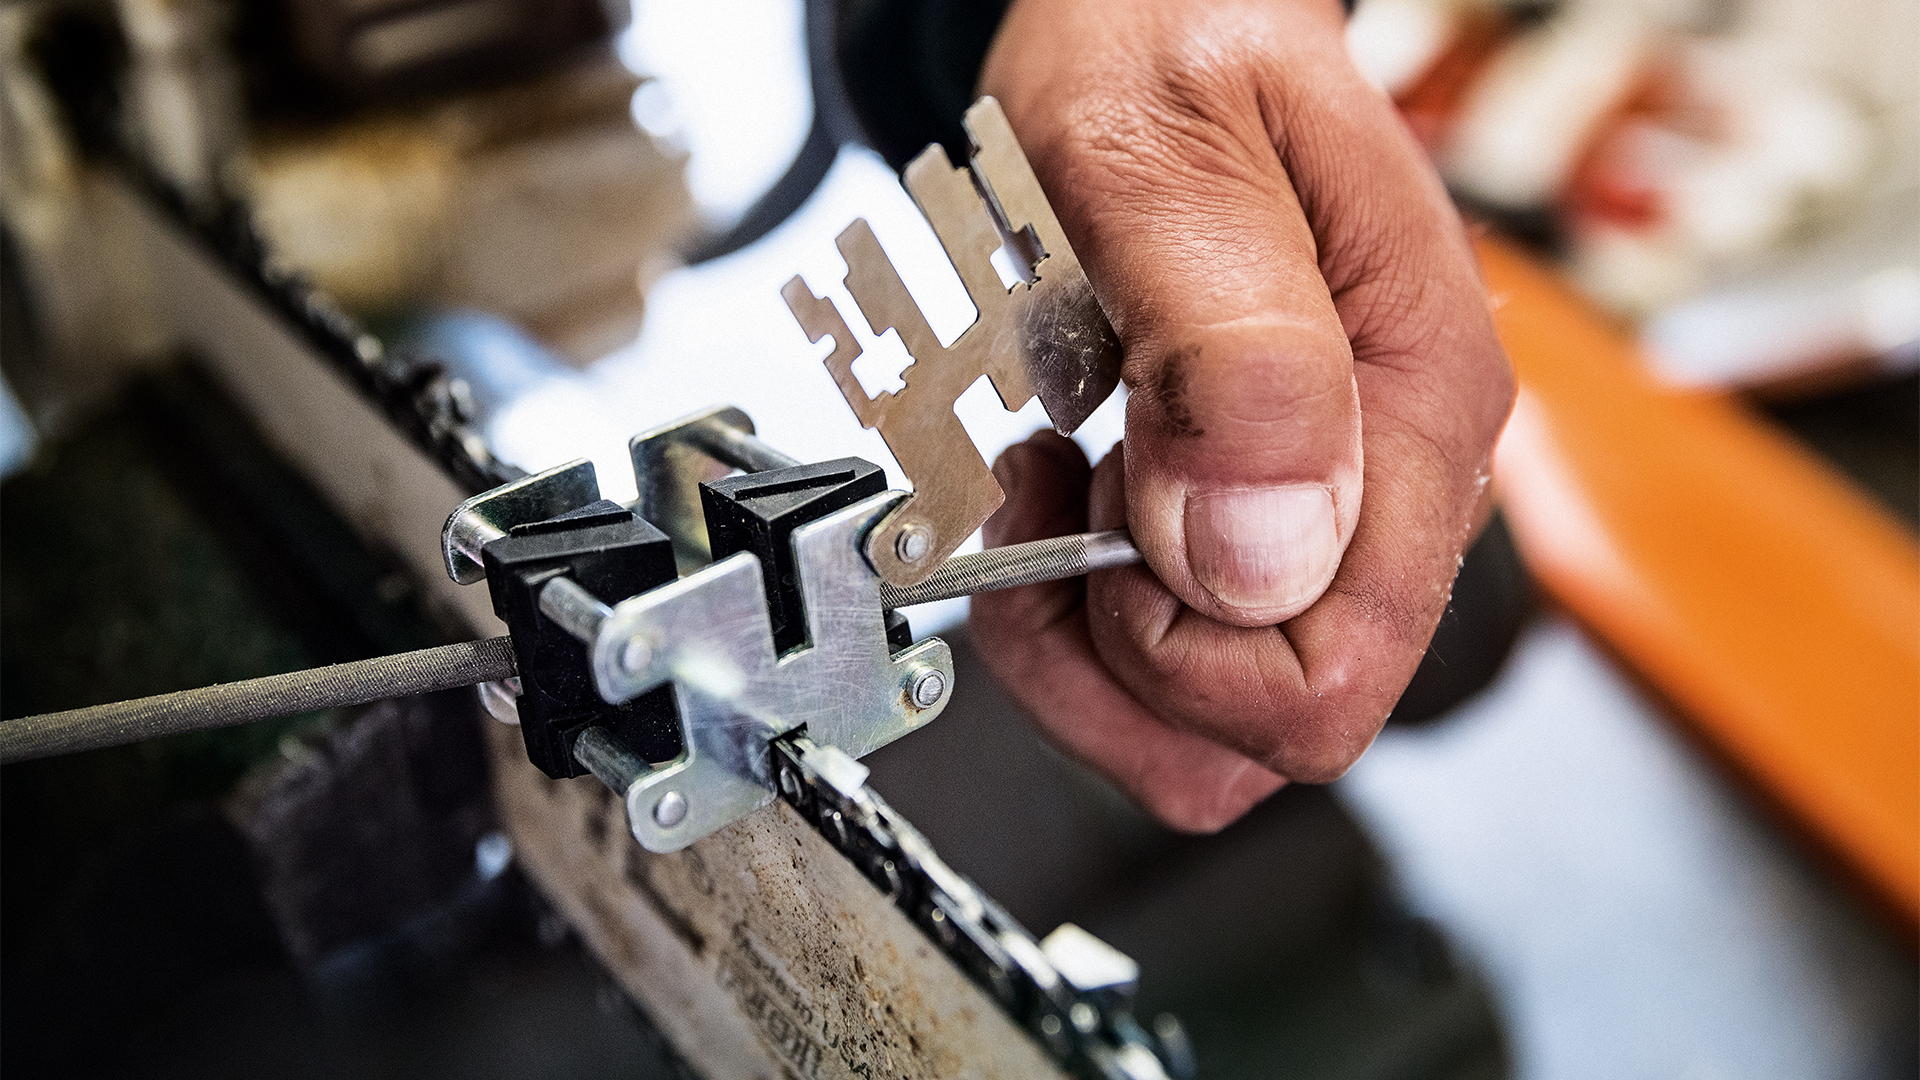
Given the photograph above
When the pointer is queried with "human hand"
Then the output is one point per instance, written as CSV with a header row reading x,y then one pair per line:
x,y
1315,391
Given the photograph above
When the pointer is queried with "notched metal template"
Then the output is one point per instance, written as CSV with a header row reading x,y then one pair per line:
x,y
1046,336
708,634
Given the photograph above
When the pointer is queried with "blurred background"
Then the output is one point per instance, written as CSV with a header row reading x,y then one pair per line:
x,y
1651,808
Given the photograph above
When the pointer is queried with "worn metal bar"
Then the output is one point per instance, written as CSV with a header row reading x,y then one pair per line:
x,y
578,611
743,450
333,687
1017,564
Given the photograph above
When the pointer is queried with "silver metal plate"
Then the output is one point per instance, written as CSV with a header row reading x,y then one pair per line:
x,y
670,463
489,515
708,634
1045,336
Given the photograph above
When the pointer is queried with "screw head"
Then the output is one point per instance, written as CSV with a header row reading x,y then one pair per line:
x,y
926,688
671,810
913,543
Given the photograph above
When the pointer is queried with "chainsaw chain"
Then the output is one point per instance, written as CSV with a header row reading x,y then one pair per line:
x,y
430,405
1089,1033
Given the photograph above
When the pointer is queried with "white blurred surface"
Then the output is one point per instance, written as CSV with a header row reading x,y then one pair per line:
x,y
730,85
1637,916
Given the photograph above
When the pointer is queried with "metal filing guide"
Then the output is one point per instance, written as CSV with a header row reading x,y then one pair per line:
x,y
780,656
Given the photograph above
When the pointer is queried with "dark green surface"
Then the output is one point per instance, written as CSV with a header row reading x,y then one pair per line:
x,y
162,547
159,547
113,586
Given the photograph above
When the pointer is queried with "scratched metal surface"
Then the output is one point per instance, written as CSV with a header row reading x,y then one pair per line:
x,y
758,949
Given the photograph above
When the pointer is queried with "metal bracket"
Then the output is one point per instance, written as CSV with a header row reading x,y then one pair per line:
x,y
708,634
670,463
1045,335
489,515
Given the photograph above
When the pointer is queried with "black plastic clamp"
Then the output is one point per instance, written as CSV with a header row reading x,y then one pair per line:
x,y
610,552
758,512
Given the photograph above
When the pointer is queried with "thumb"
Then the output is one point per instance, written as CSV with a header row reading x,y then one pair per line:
x,y
1243,454
1243,427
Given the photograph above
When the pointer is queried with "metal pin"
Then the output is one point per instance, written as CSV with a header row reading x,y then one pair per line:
x,y
578,611
1017,564
606,757
735,446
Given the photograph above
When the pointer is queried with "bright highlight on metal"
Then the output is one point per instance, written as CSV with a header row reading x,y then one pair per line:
x,y
707,634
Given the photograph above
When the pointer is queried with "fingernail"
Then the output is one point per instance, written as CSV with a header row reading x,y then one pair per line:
x,y
1266,552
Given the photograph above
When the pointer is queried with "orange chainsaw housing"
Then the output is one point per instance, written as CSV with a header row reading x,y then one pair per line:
x,y
1773,604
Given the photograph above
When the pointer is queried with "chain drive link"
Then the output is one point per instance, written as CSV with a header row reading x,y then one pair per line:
x,y
1090,1033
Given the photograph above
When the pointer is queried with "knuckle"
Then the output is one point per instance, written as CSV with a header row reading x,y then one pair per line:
x,y
1393,303
1345,715
1193,129
1232,687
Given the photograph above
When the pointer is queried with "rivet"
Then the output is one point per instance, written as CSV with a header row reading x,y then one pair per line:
x,y
837,830
671,810
927,687
636,655
913,543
